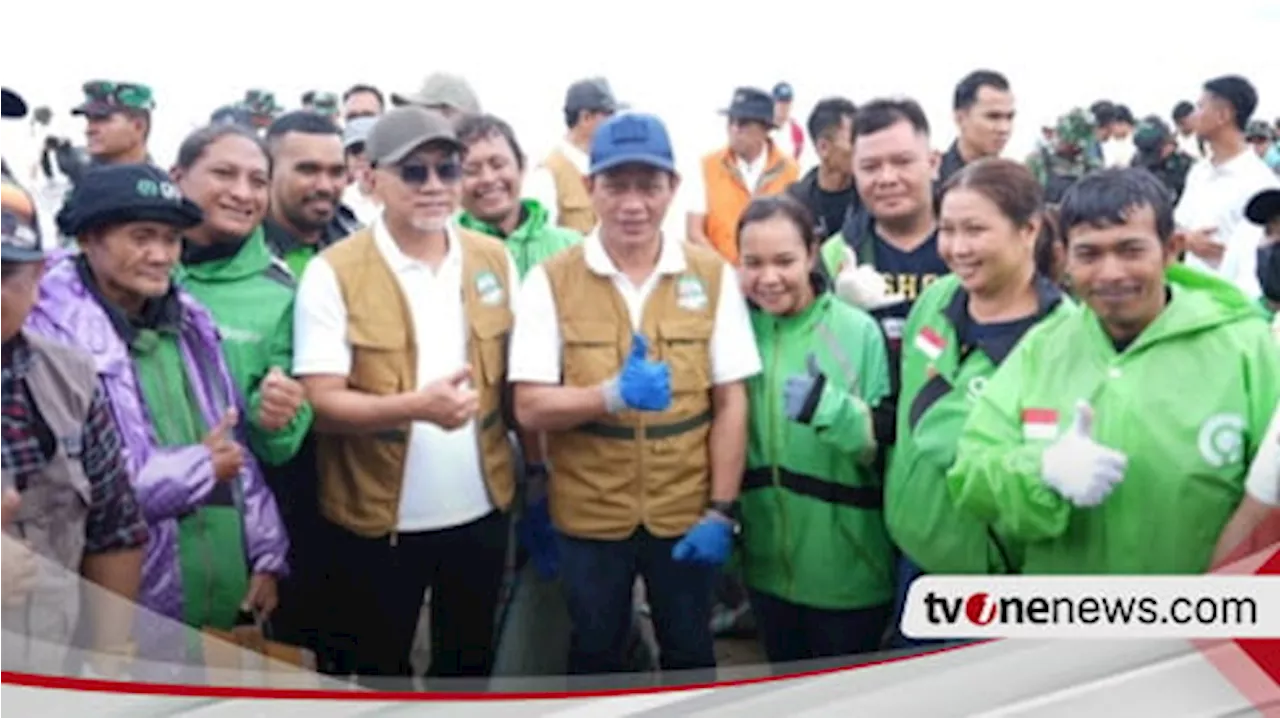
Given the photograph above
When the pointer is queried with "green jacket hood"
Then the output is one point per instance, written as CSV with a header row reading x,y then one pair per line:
x,y
254,258
535,223
1200,301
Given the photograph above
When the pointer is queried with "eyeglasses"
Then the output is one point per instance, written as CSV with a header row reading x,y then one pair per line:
x,y
416,174
116,93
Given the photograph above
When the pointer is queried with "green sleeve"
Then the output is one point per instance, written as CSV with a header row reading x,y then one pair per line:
x,y
843,418
996,476
277,447
833,254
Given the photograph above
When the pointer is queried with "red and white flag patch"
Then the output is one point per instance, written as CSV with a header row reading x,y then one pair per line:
x,y
930,343
1039,424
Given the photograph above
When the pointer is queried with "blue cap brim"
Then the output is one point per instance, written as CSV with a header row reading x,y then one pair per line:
x,y
657,163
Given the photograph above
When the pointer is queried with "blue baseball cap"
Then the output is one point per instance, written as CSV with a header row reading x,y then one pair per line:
x,y
631,138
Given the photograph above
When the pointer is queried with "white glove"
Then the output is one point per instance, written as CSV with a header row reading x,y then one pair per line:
x,y
1081,470
862,286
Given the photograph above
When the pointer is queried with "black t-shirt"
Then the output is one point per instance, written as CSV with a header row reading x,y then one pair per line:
x,y
908,273
974,334
830,208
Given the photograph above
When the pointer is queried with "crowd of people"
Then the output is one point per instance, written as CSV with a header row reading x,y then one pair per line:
x,y
327,361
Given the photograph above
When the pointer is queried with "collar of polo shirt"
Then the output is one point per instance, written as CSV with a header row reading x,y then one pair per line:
x,y
399,261
670,259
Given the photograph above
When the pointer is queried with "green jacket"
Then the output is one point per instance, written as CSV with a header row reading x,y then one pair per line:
x,y
250,296
811,507
941,380
533,242
1187,402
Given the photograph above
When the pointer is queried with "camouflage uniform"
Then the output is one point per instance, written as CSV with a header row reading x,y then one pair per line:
x,y
1068,158
324,103
261,106
1158,153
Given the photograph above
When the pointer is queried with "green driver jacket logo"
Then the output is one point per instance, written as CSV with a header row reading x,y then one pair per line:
x,y
977,385
1221,440
152,188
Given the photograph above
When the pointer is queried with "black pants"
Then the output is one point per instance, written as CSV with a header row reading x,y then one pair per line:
x,y
791,632
376,591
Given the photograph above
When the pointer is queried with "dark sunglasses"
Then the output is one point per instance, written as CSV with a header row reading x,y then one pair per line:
x,y
416,174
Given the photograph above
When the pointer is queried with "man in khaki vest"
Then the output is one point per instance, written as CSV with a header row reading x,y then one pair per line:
x,y
646,454
559,182
400,339
69,509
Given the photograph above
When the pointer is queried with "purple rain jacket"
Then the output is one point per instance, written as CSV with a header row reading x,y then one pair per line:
x,y
169,481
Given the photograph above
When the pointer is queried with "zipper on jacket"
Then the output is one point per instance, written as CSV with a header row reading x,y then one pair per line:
x,y
775,429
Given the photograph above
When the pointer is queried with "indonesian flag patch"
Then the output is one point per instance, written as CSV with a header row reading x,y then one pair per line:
x,y
1039,424
930,343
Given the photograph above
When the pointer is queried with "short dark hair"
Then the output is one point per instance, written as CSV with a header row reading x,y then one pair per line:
x,y
828,114
967,89
195,144
1182,110
780,205
1049,238
1103,111
308,97
358,88
302,121
1106,198
472,128
1239,93
1124,114
882,114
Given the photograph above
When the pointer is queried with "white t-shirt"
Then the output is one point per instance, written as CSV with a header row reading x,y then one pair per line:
x,y
1118,152
1215,196
1263,482
536,343
1191,145
541,185
443,483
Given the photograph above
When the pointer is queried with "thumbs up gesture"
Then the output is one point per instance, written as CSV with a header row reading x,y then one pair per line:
x,y
1080,469
862,286
228,456
281,397
642,385
801,393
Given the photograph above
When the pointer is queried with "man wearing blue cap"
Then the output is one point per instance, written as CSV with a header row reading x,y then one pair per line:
x,y
788,135
630,351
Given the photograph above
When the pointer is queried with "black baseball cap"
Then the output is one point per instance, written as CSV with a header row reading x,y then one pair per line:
x,y
21,229
12,104
1264,207
114,194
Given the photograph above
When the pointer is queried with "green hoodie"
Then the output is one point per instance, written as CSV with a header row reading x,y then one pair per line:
x,y
1187,402
533,242
250,295
812,526
941,380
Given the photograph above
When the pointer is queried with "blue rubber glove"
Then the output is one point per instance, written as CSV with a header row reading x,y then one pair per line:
x,y
534,526
802,392
642,385
709,542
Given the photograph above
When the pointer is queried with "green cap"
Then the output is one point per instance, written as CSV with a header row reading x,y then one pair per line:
x,y
261,103
105,97
326,103
1075,129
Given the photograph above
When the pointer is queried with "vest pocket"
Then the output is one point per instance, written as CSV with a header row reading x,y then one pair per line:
x,y
590,353
686,347
490,337
379,358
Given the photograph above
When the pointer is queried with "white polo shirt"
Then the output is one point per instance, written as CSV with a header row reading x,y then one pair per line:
x,y
1215,196
443,482
536,343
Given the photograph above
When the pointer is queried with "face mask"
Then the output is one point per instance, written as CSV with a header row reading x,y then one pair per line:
x,y
1269,271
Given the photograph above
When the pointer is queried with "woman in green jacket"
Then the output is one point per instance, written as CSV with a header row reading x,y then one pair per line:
x,y
227,267
815,555
958,333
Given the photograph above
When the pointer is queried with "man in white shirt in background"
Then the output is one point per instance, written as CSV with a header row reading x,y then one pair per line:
x,y
1211,214
787,134
1184,121
358,196
559,181
1119,150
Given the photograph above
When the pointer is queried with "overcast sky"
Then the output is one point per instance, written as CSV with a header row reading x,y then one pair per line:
x,y
679,58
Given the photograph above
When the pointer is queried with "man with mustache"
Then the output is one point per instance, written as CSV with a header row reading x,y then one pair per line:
x,y
1089,447
308,177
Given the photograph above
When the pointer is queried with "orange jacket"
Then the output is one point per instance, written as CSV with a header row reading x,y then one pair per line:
x,y
728,194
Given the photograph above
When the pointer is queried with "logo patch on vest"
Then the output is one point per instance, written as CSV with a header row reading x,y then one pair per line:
x,y
489,288
690,294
